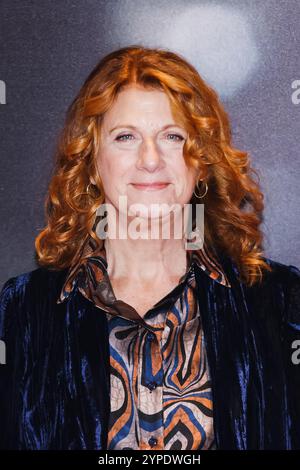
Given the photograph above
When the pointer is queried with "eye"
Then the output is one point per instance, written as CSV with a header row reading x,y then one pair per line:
x,y
120,137
179,137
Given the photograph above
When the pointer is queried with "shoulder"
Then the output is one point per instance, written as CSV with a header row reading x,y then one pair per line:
x,y
282,276
292,295
284,284
276,295
286,274
35,281
25,292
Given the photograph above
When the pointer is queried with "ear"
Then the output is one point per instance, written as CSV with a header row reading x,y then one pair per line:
x,y
92,180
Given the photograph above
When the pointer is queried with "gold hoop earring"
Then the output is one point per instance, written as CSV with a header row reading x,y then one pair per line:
x,y
92,196
206,189
88,187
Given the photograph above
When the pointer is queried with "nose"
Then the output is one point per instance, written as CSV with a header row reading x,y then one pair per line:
x,y
149,157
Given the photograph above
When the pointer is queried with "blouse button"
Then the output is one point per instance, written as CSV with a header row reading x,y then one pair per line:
x,y
152,441
150,336
152,385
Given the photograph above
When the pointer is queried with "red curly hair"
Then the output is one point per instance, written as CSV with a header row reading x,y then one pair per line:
x,y
233,204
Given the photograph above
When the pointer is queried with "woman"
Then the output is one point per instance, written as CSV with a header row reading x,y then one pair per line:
x,y
140,342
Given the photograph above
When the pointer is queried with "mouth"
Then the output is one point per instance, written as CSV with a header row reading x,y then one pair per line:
x,y
150,186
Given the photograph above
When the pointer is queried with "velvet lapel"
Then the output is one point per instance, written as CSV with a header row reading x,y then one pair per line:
x,y
242,338
226,333
87,369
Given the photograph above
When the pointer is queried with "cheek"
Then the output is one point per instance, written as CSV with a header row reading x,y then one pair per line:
x,y
107,167
185,179
113,174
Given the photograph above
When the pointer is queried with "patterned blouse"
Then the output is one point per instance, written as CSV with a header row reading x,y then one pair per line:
x,y
160,387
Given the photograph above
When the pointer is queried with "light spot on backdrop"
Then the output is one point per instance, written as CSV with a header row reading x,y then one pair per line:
x,y
218,40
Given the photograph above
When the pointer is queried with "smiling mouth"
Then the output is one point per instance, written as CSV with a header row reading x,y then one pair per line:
x,y
150,186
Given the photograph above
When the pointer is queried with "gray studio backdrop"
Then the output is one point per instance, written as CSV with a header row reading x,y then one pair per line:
x,y
247,50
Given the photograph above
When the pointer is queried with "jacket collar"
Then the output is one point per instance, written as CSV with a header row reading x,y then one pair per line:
x,y
93,262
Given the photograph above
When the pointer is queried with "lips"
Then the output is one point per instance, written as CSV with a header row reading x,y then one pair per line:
x,y
150,186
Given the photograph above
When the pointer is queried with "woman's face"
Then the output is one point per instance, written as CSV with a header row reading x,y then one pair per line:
x,y
141,144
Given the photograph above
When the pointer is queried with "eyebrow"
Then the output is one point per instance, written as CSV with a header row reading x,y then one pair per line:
x,y
128,126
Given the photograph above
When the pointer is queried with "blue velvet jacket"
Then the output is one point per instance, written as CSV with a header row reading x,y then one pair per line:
x,y
55,388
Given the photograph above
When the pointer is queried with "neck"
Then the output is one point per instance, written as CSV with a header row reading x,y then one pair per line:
x,y
157,251
145,260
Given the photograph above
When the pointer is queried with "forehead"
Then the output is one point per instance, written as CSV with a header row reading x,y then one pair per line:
x,y
135,103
